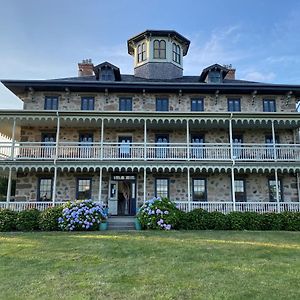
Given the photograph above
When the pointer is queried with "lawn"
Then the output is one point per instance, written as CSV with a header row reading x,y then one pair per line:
x,y
150,265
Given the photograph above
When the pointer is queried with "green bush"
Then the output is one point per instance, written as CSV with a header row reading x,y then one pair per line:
x,y
28,220
217,221
48,220
159,213
290,221
271,221
7,220
197,219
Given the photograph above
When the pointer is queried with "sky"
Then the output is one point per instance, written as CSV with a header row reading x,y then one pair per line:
x,y
44,39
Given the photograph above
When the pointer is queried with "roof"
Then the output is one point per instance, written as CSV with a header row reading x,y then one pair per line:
x,y
159,33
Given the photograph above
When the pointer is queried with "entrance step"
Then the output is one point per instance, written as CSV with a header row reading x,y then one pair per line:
x,y
121,223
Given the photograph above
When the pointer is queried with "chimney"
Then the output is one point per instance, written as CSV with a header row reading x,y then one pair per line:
x,y
231,73
85,68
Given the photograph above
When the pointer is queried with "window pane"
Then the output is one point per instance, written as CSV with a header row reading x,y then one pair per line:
x,y
84,189
197,104
162,104
199,190
240,195
87,103
51,103
45,189
234,105
162,188
125,104
269,105
272,190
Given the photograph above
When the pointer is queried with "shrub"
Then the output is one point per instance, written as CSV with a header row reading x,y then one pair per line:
x,y
217,221
237,220
271,221
290,221
48,220
28,220
81,215
7,220
252,220
159,213
197,219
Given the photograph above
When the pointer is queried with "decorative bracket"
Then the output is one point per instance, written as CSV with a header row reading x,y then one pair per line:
x,y
30,92
254,93
179,96
106,95
288,97
67,91
144,96
217,96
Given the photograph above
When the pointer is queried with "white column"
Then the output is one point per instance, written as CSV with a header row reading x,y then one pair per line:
x,y
145,182
54,185
230,137
277,191
273,137
57,135
101,139
189,189
100,185
145,140
298,186
8,194
233,188
188,139
13,139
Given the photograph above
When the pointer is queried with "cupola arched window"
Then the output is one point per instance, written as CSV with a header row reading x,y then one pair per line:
x,y
141,52
159,48
176,53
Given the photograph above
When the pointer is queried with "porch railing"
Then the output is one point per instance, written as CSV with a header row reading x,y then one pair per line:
x,y
148,151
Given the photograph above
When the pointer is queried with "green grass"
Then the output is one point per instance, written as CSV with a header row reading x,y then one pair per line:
x,y
150,265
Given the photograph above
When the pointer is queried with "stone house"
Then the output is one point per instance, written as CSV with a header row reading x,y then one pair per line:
x,y
206,141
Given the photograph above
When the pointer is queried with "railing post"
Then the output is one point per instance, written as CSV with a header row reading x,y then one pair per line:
x,y
298,186
189,189
230,137
277,191
57,136
145,182
233,188
101,139
12,155
145,139
188,139
100,185
54,186
8,193
274,141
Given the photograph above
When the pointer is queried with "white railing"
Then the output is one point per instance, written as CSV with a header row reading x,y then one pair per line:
x,y
136,151
227,207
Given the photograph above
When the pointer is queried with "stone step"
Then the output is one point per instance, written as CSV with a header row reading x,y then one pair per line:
x,y
121,223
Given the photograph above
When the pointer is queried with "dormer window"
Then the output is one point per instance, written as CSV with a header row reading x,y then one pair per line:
x,y
176,53
107,74
141,52
159,48
214,77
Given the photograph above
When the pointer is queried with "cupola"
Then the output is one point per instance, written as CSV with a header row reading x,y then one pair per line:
x,y
158,54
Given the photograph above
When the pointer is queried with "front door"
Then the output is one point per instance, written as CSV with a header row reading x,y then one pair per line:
x,y
237,141
125,146
162,143
85,144
197,146
48,142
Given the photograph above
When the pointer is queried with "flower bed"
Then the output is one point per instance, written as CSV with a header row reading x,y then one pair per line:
x,y
159,213
82,215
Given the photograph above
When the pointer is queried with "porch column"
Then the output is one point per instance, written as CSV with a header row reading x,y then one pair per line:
x,y
57,135
188,139
230,137
277,191
145,182
233,188
100,185
189,189
12,156
54,186
298,186
8,193
273,138
101,139
145,140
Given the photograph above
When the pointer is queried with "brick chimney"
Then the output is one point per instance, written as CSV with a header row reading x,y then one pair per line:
x,y
85,68
231,74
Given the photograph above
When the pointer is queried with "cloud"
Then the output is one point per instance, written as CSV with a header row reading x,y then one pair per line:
x,y
259,76
221,47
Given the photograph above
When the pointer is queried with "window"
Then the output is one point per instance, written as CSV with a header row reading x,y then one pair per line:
x,y
125,104
84,188
197,150
162,187
270,147
48,143
237,141
162,104
45,189
51,103
86,145
176,53
269,105
141,52
272,190
159,48
214,77
240,193
234,104
161,145
87,103
107,74
197,104
199,190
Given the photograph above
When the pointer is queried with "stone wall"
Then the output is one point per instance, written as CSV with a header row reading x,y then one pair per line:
x,y
147,103
218,186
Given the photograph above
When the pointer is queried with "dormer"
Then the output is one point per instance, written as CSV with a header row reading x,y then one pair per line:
x,y
214,74
158,54
107,72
